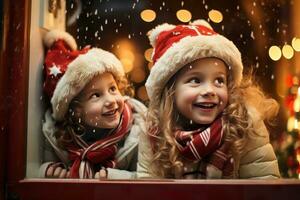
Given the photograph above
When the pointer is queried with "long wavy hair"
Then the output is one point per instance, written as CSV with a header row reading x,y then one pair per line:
x,y
238,123
72,125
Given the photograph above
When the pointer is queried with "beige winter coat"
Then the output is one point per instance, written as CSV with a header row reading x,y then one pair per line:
x,y
126,156
257,161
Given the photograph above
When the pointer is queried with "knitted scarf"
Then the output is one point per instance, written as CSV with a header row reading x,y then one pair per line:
x,y
198,144
100,152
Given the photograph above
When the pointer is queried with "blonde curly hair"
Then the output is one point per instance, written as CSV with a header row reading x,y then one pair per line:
x,y
238,123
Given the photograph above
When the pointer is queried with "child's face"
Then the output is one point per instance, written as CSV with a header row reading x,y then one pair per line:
x,y
102,104
201,90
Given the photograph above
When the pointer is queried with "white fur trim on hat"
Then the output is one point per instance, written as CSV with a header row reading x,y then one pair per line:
x,y
80,71
54,35
152,34
187,50
201,22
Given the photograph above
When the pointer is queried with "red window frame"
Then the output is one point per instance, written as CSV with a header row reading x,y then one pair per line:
x,y
14,75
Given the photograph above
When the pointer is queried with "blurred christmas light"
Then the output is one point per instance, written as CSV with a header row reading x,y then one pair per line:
x,y
295,80
150,65
127,64
287,51
142,93
275,53
184,15
297,101
125,53
137,75
148,54
148,15
215,16
290,124
297,105
296,44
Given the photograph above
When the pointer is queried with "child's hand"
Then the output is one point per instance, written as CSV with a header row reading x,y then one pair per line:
x,y
56,170
102,174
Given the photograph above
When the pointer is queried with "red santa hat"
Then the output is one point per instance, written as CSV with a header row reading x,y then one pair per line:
x,y
176,46
68,70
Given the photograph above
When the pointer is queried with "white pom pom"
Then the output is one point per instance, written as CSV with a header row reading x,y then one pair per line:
x,y
53,35
201,22
153,34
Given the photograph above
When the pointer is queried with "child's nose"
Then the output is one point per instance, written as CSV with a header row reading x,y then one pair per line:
x,y
208,90
109,100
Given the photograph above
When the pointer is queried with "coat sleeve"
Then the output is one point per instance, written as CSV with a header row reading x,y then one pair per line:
x,y
144,156
258,160
51,152
120,174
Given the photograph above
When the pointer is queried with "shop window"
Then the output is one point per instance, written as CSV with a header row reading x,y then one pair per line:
x,y
266,33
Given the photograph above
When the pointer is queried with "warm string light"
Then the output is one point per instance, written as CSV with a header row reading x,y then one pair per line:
x,y
287,50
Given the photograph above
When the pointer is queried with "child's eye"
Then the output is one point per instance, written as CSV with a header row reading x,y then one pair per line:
x,y
220,81
194,80
113,88
95,95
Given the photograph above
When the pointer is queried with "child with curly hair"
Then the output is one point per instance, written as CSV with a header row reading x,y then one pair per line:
x,y
204,119
91,129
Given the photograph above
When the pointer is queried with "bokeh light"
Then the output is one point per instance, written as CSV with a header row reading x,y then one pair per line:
x,y
184,15
142,93
287,51
215,16
275,53
296,44
148,54
137,75
148,15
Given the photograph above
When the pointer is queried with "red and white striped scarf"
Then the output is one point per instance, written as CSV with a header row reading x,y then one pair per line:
x,y
198,144
101,152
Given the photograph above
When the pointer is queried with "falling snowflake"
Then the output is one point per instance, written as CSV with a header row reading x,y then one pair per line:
x,y
252,35
272,77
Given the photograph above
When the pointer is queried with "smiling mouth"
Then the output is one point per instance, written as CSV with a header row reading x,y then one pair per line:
x,y
205,105
110,113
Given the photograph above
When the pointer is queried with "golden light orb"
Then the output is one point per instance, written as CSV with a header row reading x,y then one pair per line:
x,y
215,16
184,15
275,53
287,51
296,44
148,15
